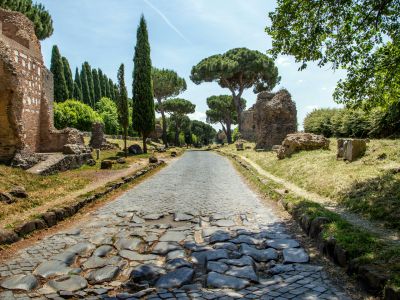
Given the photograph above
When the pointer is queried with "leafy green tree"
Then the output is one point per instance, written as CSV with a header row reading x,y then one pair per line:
x,y
37,13
143,103
359,35
89,75
178,109
108,111
222,110
166,83
87,99
57,68
122,104
97,85
238,69
203,131
68,77
73,113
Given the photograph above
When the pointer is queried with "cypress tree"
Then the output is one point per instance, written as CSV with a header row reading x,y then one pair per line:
x,y
143,116
97,85
57,68
85,87
78,80
68,77
77,94
106,86
112,90
102,85
122,103
90,83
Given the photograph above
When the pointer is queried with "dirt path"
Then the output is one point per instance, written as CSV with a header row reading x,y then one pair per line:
x,y
376,228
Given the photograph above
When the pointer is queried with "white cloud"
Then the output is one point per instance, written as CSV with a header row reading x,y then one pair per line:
x,y
324,88
300,81
282,61
198,115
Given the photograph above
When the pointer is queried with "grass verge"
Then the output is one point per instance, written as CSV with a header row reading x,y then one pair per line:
x,y
369,186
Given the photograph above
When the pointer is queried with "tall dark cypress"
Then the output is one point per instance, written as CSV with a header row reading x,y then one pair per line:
x,y
78,80
68,77
57,68
102,84
97,85
90,82
112,91
77,94
85,87
106,86
122,103
143,104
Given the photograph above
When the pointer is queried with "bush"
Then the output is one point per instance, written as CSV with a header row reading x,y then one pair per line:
x,y
108,111
235,134
73,113
355,123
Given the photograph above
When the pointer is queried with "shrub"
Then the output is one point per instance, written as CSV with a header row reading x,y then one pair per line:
x,y
73,113
108,111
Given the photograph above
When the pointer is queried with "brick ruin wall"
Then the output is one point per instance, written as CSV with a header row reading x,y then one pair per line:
x,y
270,119
26,92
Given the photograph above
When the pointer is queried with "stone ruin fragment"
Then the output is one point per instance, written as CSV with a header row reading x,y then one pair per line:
x,y
301,141
26,97
351,149
98,141
270,119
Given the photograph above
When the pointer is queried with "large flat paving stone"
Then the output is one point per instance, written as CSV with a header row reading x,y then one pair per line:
x,y
216,280
128,243
147,272
246,272
68,283
104,274
176,278
173,236
263,255
52,268
295,255
20,282
165,247
282,243
95,262
135,256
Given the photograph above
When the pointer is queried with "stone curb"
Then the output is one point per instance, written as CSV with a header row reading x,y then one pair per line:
x,y
56,215
373,281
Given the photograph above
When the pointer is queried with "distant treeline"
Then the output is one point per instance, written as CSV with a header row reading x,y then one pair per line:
x,y
88,85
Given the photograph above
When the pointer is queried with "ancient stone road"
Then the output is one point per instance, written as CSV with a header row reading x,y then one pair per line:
x,y
192,231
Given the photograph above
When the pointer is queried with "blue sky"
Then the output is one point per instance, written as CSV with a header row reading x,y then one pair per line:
x,y
181,32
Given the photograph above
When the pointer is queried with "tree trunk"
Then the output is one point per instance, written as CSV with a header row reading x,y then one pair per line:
x,y
228,133
176,137
125,136
236,101
144,143
164,124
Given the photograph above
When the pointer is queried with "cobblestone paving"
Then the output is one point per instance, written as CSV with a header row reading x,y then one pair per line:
x,y
192,231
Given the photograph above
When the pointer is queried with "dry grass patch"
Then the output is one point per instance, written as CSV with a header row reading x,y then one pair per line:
x,y
368,186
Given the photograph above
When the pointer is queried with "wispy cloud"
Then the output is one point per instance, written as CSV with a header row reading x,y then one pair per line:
x,y
283,61
169,23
